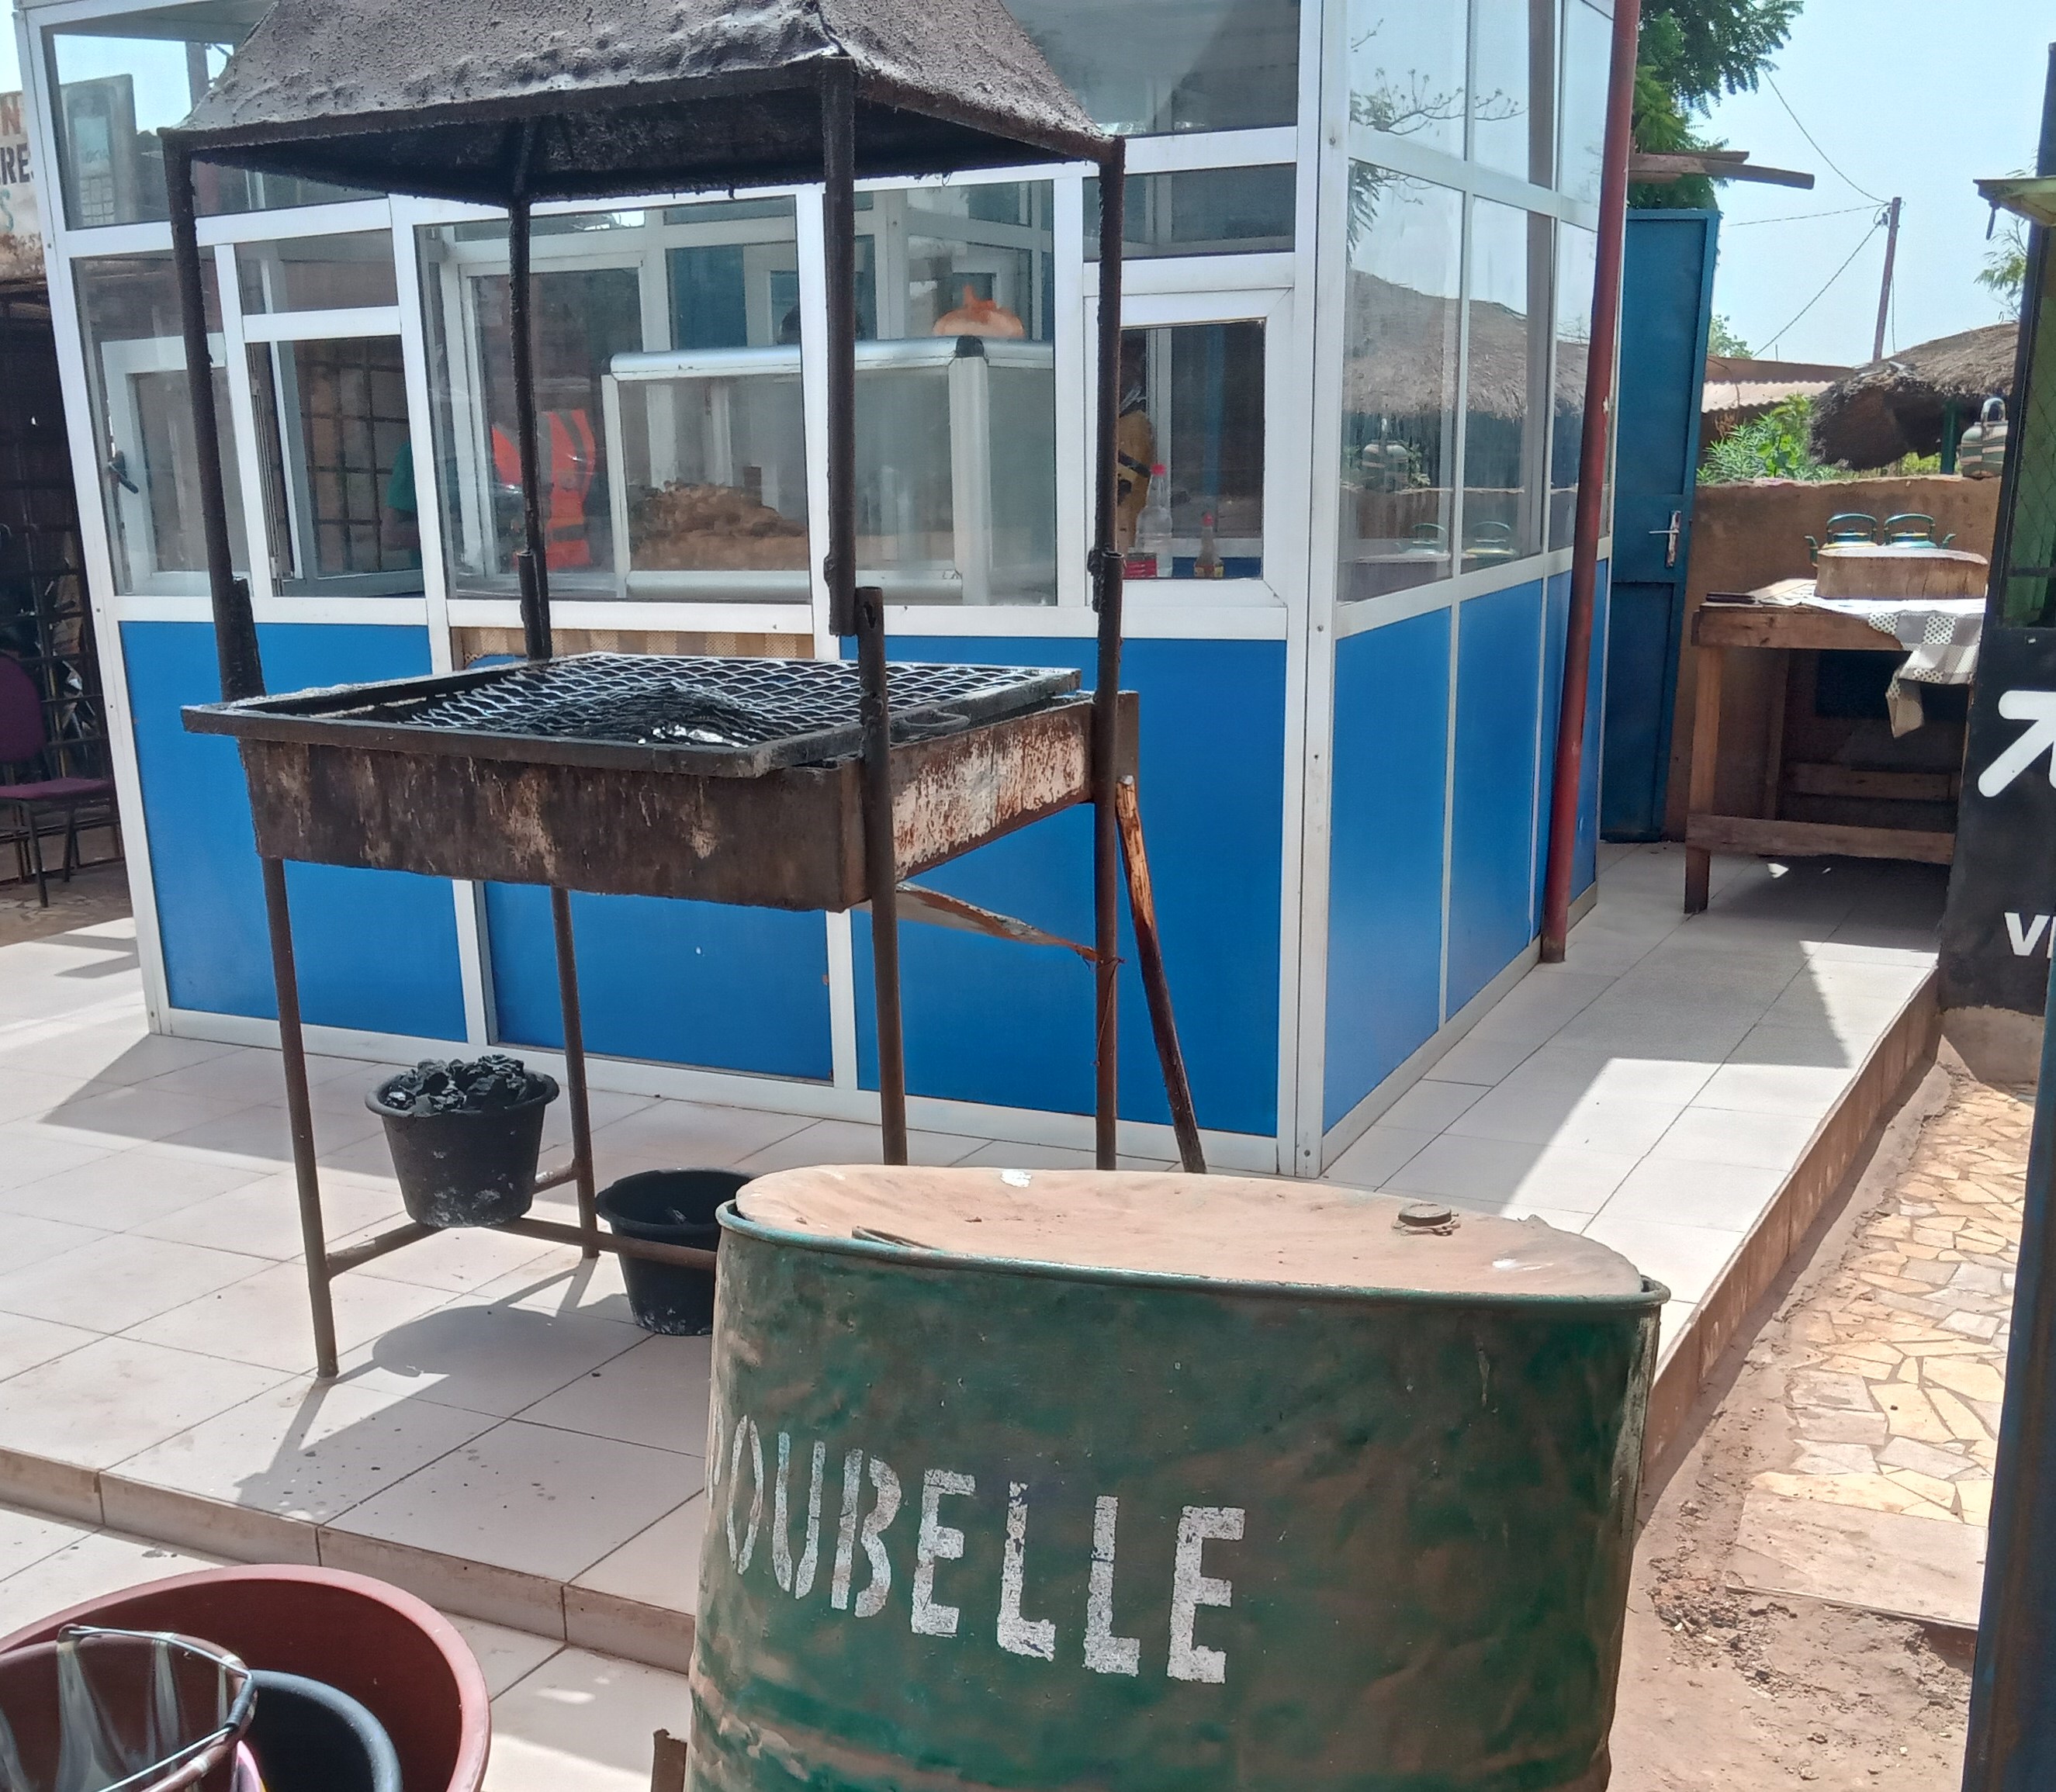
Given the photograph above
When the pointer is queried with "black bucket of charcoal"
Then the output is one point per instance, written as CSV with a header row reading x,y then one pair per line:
x,y
464,1135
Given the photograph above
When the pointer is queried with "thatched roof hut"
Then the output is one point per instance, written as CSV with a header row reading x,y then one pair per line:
x,y
1898,406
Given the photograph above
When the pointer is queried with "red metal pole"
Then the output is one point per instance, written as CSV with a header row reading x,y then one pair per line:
x,y
1591,485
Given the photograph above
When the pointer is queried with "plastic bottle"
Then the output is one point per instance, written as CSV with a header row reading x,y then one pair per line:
x,y
1207,564
1153,556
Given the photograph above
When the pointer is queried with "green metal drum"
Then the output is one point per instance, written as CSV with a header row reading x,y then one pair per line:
x,y
1172,1483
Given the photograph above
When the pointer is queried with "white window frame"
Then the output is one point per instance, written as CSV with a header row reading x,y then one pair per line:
x,y
1283,568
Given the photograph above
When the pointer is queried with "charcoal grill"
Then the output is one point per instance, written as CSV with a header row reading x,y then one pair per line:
x,y
791,784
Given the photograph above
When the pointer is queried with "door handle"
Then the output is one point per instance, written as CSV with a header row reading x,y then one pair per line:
x,y
1671,537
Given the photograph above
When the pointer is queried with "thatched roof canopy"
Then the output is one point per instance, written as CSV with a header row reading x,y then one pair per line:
x,y
563,99
1896,406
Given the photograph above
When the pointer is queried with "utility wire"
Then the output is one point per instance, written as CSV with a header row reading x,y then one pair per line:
x,y
1876,225
1817,150
1791,217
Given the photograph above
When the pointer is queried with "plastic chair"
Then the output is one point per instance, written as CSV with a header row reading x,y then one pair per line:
x,y
24,741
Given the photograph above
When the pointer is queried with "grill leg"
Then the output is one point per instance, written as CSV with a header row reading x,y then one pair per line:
x,y
1149,952
300,1116
567,997
881,862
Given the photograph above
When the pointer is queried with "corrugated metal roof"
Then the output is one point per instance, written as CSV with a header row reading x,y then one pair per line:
x,y
626,96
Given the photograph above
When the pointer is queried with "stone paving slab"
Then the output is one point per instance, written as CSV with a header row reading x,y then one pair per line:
x,y
1849,1554
1891,1372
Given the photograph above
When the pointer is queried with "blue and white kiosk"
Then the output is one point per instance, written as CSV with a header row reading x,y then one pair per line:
x,y
1359,269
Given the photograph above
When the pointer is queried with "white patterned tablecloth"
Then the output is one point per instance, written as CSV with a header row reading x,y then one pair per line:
x,y
1941,635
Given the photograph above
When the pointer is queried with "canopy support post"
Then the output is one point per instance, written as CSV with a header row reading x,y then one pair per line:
x,y
235,626
861,613
1593,450
531,565
1106,576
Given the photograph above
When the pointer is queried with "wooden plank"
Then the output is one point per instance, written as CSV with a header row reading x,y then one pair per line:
x,y
1805,780
1705,763
1773,749
1722,626
1799,839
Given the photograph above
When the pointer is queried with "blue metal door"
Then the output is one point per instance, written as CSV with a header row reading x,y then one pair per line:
x,y
1666,306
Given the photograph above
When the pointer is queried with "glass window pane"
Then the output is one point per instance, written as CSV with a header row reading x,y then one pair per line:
x,y
957,395
1209,212
318,273
1512,84
1399,381
1192,405
1505,406
588,307
1577,257
1145,67
1588,56
341,513
1406,69
121,82
670,424
142,420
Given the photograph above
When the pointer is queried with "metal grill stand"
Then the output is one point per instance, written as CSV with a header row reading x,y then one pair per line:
x,y
349,93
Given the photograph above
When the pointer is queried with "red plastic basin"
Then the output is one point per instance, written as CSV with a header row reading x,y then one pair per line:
x,y
396,1654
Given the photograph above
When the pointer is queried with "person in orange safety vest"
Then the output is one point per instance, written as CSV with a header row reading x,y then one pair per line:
x,y
570,466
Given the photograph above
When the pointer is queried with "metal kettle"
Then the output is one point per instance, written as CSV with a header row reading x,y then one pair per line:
x,y
1981,453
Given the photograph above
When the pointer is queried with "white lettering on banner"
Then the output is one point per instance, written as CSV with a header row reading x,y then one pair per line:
x,y
1019,1635
2024,936
937,1542
1106,1653
1190,1589
885,1508
740,1552
2038,709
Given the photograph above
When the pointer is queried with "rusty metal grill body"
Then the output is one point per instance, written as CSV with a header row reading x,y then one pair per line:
x,y
792,784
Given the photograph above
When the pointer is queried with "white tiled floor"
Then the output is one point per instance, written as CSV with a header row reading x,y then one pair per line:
x,y
504,1438
1655,1091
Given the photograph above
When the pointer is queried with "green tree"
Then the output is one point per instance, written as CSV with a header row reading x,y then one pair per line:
x,y
1722,340
2005,272
1692,52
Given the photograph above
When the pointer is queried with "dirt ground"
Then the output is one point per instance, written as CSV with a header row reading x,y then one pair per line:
x,y
101,894
1722,1686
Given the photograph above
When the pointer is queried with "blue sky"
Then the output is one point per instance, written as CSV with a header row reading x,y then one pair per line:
x,y
1911,97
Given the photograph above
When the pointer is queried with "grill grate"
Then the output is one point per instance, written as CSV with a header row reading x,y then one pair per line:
x,y
739,715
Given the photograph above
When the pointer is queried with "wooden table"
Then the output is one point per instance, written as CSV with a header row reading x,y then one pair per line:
x,y
1784,629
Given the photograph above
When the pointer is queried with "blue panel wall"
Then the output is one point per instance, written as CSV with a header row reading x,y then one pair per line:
x,y
1385,878
1585,864
990,1021
376,950
682,982
1492,868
